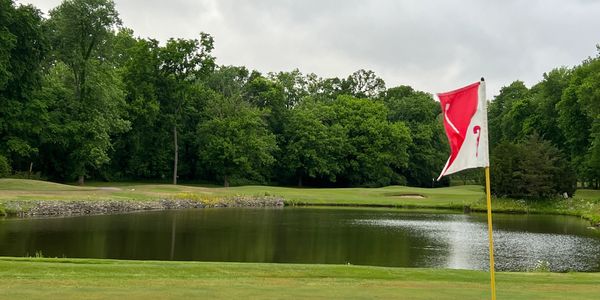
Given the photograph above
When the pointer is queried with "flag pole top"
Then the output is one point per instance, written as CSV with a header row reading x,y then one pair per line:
x,y
482,79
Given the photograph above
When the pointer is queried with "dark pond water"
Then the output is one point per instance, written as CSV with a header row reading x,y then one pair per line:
x,y
312,235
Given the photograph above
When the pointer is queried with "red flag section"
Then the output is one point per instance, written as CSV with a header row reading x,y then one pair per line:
x,y
465,122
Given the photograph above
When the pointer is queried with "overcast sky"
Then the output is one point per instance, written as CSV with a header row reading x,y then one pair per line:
x,y
433,46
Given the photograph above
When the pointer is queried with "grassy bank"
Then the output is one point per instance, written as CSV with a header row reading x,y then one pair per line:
x,y
37,278
585,203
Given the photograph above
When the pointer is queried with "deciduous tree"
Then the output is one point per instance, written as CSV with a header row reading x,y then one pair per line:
x,y
234,141
84,120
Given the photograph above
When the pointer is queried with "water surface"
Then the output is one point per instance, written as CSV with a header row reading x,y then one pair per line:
x,y
381,237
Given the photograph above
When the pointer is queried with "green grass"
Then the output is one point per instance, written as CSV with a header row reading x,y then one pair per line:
x,y
585,203
386,196
21,189
43,278
35,185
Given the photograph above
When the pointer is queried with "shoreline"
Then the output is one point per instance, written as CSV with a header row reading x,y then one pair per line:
x,y
58,208
466,209
21,197
64,208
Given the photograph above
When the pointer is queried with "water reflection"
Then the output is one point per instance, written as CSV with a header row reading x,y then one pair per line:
x,y
462,242
311,235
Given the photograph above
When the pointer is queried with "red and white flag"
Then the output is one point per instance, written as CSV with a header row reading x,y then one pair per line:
x,y
465,121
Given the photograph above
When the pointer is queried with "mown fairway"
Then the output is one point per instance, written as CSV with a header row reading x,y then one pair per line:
x,y
19,189
111,279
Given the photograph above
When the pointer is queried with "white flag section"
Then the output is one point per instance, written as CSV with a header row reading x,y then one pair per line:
x,y
465,121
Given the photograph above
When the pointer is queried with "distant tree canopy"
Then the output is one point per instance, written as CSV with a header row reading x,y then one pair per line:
x,y
83,97
563,109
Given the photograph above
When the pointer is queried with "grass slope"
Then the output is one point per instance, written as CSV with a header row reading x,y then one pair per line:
x,y
42,278
585,203
20,189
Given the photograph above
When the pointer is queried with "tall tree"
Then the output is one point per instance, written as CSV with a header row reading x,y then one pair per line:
x,y
428,149
500,107
23,47
269,95
234,141
294,85
376,147
545,97
363,84
141,152
579,116
313,144
81,33
182,64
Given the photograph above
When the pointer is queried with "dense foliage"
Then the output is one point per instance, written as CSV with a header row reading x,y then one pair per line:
x,y
563,109
520,172
81,96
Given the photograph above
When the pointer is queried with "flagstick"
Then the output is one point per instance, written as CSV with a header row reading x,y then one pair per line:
x,y
491,238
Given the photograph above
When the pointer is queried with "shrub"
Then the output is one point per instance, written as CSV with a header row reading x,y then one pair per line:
x,y
5,169
534,169
26,175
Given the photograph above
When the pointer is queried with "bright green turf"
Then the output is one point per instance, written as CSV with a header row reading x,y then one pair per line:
x,y
34,278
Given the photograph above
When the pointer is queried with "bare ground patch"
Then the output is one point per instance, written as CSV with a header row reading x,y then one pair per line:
x,y
408,196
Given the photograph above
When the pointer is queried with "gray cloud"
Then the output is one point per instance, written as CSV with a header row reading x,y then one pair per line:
x,y
431,45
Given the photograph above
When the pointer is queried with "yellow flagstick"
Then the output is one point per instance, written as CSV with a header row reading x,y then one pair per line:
x,y
491,238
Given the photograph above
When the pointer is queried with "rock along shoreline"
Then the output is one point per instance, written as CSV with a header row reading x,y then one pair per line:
x,y
49,208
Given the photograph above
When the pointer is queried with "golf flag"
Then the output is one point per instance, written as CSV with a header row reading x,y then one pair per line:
x,y
465,121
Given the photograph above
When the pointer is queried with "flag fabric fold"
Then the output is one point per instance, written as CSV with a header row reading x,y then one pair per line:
x,y
465,122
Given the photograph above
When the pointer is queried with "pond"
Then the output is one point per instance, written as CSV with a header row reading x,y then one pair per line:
x,y
381,237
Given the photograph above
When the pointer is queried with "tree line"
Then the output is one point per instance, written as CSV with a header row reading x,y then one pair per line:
x,y
82,97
